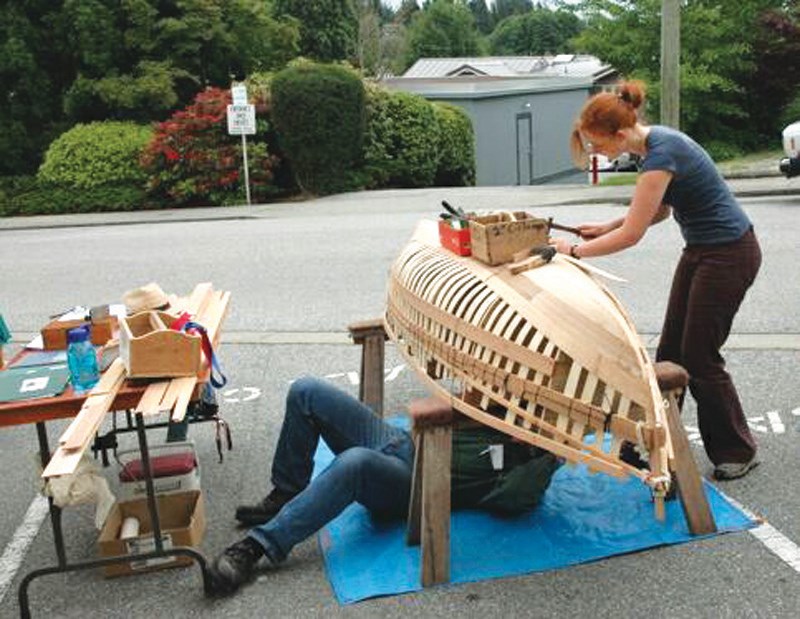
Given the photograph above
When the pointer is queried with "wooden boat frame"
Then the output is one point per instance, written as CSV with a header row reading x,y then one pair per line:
x,y
551,347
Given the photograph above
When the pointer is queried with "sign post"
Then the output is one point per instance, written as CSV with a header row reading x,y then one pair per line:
x,y
242,121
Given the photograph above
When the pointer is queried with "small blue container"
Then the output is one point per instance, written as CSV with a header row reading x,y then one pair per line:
x,y
82,360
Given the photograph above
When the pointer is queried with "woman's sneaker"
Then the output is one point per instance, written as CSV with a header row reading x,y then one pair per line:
x,y
264,511
734,470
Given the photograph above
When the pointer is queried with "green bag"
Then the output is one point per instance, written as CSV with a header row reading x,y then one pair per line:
x,y
516,488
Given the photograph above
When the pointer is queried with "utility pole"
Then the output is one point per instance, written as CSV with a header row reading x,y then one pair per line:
x,y
670,63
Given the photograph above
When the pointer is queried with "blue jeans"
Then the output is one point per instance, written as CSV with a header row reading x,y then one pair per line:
x,y
372,465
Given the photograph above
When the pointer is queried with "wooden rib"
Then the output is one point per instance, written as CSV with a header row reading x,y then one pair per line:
x,y
480,373
477,335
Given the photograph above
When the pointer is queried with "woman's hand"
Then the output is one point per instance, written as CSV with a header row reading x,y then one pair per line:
x,y
593,230
561,244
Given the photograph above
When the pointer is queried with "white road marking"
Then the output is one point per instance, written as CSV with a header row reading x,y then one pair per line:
x,y
14,554
775,541
796,412
776,422
394,372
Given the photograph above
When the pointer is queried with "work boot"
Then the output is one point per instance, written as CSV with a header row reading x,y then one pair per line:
x,y
264,511
734,470
235,566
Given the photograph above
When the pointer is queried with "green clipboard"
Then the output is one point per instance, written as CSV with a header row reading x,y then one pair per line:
x,y
33,382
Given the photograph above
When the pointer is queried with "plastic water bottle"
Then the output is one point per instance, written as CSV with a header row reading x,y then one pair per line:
x,y
82,360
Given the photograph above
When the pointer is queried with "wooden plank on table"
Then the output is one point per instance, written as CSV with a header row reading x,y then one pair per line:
x,y
185,389
109,384
150,404
66,457
199,298
171,395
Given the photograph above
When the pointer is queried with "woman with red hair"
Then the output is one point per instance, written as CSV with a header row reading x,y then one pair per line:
x,y
718,264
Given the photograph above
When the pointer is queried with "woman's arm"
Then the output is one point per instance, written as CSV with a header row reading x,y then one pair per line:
x,y
646,208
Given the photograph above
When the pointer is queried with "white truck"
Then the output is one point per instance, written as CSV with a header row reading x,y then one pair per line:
x,y
790,165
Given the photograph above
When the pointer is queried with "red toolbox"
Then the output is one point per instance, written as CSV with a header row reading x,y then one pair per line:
x,y
458,241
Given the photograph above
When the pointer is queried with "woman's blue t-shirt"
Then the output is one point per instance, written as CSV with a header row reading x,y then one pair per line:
x,y
701,202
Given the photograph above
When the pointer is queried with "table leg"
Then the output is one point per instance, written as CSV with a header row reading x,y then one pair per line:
x,y
55,511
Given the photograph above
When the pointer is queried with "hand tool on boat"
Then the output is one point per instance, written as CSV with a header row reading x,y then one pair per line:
x,y
455,211
551,225
532,258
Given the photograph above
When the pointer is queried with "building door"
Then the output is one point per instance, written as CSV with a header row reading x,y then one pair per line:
x,y
524,149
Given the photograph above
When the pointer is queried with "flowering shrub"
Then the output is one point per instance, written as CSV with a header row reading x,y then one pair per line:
x,y
192,160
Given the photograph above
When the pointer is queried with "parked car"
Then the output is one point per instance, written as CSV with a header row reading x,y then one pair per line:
x,y
626,162
790,165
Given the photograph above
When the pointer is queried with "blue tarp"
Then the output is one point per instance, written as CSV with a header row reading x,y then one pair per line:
x,y
582,518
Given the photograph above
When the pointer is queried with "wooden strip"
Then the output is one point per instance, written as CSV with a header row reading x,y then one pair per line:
x,y
185,389
199,298
109,384
150,403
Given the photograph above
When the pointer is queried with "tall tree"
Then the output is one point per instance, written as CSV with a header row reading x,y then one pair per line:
x,y
444,28
540,31
717,57
63,61
505,8
328,28
775,84
481,15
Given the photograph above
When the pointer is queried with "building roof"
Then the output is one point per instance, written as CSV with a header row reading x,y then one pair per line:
x,y
482,86
562,65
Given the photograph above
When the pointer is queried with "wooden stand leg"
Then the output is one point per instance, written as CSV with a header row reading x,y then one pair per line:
x,y
690,484
415,501
370,335
370,389
435,519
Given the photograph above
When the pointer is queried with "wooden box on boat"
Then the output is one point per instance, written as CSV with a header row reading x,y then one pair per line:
x,y
498,236
149,349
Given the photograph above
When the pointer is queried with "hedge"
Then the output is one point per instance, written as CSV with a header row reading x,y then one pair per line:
x,y
94,154
319,115
402,140
456,146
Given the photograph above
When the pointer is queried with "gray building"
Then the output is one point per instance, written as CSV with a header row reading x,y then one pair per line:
x,y
522,108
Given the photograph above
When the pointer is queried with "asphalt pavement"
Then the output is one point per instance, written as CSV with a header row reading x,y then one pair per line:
x,y
296,287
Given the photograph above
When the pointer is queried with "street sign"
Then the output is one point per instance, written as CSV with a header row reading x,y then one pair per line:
x,y
239,94
241,119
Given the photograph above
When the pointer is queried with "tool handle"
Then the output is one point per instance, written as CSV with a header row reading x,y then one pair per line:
x,y
554,226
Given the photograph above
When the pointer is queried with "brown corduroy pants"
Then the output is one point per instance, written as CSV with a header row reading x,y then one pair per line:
x,y
709,284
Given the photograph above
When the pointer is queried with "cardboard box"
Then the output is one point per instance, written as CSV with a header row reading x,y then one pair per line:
x,y
457,241
498,236
183,523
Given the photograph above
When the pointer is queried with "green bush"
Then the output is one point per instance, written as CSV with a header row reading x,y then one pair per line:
x,y
96,154
319,115
456,146
791,113
192,160
47,199
402,140
722,151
